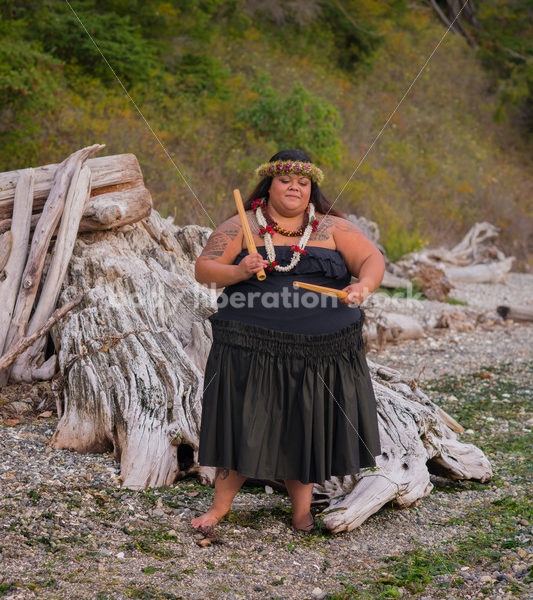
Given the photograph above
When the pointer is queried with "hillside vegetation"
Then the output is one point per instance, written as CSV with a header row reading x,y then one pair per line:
x,y
213,88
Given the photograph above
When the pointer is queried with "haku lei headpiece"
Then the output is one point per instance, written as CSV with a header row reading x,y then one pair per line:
x,y
266,233
286,167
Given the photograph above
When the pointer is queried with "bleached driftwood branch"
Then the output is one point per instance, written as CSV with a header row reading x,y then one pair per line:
x,y
24,368
50,217
107,173
20,232
118,195
26,342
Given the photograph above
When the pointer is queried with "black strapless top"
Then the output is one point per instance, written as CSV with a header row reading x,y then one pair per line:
x,y
275,304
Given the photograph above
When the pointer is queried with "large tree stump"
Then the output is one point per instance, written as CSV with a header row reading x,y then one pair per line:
x,y
132,357
129,382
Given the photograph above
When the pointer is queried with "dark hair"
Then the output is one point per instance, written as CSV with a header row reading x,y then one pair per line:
x,y
261,190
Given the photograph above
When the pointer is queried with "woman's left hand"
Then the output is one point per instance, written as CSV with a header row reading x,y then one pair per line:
x,y
357,292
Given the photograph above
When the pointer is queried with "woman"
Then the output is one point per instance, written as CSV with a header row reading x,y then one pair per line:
x,y
287,393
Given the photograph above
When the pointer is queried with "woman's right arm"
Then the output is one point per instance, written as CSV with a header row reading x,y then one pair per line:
x,y
215,265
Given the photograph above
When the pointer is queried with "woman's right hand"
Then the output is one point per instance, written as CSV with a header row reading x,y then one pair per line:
x,y
251,264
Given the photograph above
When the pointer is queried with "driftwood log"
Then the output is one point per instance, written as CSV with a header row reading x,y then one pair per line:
x,y
117,196
62,191
27,341
132,357
58,200
517,313
475,259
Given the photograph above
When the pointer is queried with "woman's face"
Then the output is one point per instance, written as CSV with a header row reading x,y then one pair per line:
x,y
289,194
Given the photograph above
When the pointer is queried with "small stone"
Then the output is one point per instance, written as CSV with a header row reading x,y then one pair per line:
x,y
268,490
318,593
172,532
485,578
465,568
120,555
158,512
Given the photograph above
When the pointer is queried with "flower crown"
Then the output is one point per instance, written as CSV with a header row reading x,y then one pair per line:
x,y
296,167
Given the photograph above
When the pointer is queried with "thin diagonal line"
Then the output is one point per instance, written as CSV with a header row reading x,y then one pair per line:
x,y
392,114
397,496
141,114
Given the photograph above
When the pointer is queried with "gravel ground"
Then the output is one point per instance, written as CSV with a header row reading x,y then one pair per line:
x,y
69,531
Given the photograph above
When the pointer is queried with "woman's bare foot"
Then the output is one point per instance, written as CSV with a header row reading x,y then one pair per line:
x,y
208,519
304,522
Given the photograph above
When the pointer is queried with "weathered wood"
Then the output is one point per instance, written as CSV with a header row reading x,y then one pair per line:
x,y
475,259
107,210
114,209
41,238
24,368
114,170
494,272
415,442
392,326
391,281
25,342
456,320
20,231
6,242
517,313
129,383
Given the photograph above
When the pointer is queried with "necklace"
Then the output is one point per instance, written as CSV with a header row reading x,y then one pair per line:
x,y
267,230
299,232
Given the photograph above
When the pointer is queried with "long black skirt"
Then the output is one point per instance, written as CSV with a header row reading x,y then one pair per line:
x,y
288,405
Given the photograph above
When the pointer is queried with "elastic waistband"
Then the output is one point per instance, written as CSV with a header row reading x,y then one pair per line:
x,y
280,343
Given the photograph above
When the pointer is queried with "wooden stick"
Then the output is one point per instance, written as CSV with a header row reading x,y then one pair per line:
x,y
320,288
24,342
247,232
39,245
106,172
66,238
20,230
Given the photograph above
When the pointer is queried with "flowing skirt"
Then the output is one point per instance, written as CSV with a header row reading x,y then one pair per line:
x,y
288,405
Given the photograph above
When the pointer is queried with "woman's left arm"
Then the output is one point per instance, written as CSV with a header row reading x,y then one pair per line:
x,y
363,258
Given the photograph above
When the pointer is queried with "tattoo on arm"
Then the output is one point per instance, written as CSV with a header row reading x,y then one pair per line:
x,y
224,473
219,239
324,230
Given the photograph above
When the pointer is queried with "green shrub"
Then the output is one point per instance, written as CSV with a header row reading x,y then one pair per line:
x,y
296,120
129,55
27,74
199,73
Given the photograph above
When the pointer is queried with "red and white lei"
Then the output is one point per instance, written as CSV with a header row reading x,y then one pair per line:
x,y
266,233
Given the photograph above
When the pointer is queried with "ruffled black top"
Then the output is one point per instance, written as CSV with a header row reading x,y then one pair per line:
x,y
275,304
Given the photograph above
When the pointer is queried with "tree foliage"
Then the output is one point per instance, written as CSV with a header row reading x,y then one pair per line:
x,y
295,120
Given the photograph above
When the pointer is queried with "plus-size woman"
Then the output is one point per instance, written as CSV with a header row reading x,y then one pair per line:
x,y
287,392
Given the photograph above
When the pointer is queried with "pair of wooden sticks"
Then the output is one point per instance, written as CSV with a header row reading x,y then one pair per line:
x,y
261,275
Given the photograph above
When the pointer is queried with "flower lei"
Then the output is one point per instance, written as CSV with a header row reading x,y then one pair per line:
x,y
284,167
266,233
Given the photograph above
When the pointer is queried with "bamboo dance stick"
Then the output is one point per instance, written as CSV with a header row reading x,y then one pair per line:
x,y
320,288
247,231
